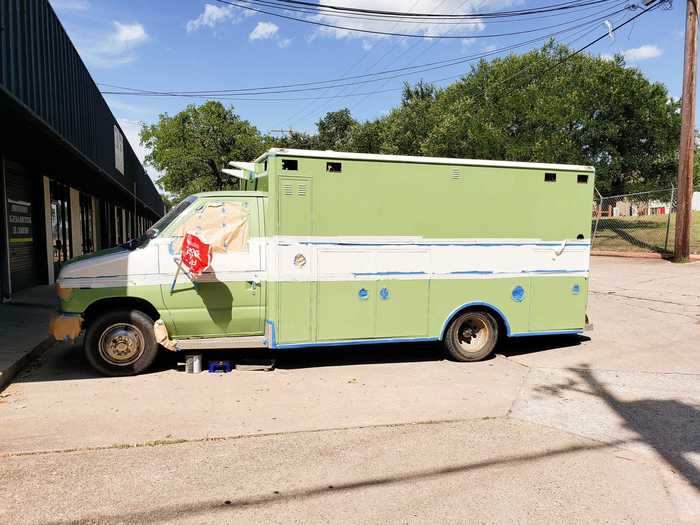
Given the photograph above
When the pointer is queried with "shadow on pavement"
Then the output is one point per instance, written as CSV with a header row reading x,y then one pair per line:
x,y
67,362
669,426
530,345
168,513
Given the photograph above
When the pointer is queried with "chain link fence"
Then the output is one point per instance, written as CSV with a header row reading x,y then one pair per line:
x,y
643,221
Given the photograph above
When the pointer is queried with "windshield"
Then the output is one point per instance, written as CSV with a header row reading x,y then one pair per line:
x,y
154,231
169,217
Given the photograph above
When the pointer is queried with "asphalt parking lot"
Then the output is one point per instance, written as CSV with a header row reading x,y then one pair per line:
x,y
597,429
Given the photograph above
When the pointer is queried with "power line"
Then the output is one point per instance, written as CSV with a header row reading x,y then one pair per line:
x,y
572,4
378,32
587,30
356,102
654,5
236,97
325,105
339,82
407,17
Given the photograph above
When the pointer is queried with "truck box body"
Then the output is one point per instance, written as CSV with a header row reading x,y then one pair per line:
x,y
345,248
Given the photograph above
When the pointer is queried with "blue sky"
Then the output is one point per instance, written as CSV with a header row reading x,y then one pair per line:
x,y
198,45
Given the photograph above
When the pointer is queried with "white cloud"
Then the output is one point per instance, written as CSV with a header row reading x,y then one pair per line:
x,y
212,16
131,129
263,31
284,42
418,6
128,35
645,52
114,48
70,5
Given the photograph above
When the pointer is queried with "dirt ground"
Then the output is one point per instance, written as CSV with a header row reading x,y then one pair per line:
x,y
597,429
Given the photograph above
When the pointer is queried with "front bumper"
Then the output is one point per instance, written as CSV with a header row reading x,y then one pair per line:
x,y
65,327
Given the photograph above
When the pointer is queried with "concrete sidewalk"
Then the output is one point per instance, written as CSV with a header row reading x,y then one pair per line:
x,y
597,429
24,323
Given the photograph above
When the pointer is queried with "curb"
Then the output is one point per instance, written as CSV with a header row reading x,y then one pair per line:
x,y
9,373
639,255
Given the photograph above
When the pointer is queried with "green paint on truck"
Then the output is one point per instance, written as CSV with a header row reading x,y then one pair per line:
x,y
345,248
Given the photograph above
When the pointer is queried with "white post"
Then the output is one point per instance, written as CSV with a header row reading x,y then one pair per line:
x,y
76,233
95,227
123,212
48,230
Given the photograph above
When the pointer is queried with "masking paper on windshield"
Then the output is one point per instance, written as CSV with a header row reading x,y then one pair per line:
x,y
222,225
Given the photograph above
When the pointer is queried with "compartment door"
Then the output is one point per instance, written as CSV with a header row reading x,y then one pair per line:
x,y
558,303
346,310
402,308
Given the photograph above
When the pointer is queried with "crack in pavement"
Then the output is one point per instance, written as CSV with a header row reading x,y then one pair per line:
x,y
180,441
616,294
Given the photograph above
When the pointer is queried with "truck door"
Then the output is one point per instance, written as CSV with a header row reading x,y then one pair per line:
x,y
229,298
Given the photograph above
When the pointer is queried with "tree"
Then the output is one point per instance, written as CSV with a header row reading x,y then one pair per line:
x,y
193,146
296,140
366,137
407,127
584,110
334,130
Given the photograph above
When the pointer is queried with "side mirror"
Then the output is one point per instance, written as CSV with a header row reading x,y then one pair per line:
x,y
152,233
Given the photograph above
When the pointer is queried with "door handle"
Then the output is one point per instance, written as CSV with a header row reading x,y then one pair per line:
x,y
253,285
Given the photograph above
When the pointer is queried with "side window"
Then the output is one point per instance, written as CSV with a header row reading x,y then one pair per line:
x,y
226,225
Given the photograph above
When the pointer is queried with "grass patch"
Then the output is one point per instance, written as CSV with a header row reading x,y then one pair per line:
x,y
645,233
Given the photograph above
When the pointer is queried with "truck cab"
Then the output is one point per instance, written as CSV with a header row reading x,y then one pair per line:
x,y
131,299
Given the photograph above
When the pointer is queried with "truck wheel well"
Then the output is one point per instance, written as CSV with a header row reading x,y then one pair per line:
x,y
503,326
115,303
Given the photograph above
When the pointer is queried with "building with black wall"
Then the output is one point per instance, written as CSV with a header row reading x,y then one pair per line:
x,y
70,183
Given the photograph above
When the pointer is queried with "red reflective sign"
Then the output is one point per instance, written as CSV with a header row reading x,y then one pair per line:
x,y
196,254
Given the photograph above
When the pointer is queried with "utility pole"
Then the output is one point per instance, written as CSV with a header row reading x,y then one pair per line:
x,y
687,143
287,131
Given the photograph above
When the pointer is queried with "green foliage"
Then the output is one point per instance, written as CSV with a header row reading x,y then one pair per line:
x,y
334,130
193,146
537,107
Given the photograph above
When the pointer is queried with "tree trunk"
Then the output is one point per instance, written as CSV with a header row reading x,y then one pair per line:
x,y
216,173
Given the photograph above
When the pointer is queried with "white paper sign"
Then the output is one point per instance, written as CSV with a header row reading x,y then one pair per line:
x,y
118,150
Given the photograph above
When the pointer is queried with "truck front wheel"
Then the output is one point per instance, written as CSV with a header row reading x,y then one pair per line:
x,y
121,343
472,336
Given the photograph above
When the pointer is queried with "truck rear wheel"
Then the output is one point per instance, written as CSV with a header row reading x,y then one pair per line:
x,y
121,343
472,336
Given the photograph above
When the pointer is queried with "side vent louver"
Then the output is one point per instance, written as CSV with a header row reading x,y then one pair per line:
x,y
301,190
287,189
456,175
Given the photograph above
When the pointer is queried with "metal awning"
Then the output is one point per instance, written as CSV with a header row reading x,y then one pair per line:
x,y
247,166
240,174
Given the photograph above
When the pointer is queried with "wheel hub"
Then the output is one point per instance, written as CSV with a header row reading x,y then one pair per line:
x,y
121,344
473,335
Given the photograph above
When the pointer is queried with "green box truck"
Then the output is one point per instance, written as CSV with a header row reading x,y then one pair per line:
x,y
324,248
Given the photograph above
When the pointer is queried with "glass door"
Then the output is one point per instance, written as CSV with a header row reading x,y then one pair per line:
x,y
60,224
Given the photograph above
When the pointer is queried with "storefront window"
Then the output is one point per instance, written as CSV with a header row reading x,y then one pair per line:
x,y
60,224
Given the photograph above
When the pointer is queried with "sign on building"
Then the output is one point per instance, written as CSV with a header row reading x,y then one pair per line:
x,y
19,219
118,150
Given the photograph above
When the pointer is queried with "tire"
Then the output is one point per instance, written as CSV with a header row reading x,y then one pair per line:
x,y
473,327
121,343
